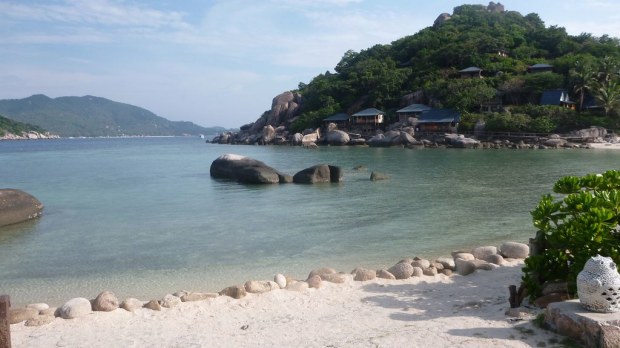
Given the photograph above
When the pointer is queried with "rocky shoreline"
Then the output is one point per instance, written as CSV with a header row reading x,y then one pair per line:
x,y
29,136
405,136
462,263
274,128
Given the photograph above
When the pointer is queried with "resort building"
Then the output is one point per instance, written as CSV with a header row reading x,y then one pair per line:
x,y
438,120
538,68
413,110
368,120
341,120
558,97
472,72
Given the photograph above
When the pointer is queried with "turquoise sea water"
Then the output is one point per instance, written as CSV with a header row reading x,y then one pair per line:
x,y
142,217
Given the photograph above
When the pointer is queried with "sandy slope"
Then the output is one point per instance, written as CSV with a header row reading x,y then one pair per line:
x,y
418,312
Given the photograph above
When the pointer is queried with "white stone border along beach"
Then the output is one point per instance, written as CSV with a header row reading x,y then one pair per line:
x,y
458,301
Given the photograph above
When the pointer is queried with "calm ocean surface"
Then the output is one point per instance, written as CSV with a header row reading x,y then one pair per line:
x,y
142,217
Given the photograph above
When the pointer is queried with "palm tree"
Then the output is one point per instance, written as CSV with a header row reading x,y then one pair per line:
x,y
608,70
583,77
608,96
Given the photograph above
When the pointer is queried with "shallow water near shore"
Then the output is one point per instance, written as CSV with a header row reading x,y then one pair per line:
x,y
142,217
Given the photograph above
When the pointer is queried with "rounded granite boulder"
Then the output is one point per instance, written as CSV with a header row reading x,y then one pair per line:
x,y
18,206
75,308
246,170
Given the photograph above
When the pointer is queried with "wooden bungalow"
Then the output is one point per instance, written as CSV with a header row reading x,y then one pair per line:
x,y
341,120
538,68
557,97
368,120
438,120
472,72
413,110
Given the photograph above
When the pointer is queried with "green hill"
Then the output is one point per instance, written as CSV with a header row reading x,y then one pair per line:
x,y
503,44
17,128
94,117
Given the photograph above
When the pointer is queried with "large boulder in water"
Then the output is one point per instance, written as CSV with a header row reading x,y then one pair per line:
x,y
246,170
321,173
390,138
337,137
18,206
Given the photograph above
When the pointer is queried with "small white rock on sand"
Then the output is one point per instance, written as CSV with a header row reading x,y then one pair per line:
x,y
429,311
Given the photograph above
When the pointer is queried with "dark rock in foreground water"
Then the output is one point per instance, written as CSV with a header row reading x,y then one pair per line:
x,y
18,206
321,173
246,170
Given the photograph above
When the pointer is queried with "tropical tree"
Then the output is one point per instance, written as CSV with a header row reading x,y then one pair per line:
x,y
583,77
608,70
608,96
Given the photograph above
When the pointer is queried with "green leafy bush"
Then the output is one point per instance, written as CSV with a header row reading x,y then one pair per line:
x,y
581,222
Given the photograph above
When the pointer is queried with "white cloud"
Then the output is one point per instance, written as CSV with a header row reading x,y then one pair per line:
x,y
103,12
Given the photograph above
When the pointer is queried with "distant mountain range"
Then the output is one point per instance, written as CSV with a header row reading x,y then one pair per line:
x,y
91,116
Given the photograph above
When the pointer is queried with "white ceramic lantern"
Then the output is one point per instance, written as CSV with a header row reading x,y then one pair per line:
x,y
598,285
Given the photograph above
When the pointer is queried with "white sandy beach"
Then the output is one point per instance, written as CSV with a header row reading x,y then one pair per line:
x,y
428,311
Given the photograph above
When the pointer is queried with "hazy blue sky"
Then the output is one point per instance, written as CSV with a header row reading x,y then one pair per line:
x,y
218,63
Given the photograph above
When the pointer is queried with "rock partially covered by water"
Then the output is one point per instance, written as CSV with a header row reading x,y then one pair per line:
x,y
18,206
75,308
246,170
337,137
375,176
321,173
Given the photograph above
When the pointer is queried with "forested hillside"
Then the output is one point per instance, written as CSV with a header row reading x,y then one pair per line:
x,y
90,116
425,68
13,127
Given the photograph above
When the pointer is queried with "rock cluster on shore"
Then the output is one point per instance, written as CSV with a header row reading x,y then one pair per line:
x,y
404,136
29,136
462,263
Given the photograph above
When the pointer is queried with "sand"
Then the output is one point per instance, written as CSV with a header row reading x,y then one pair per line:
x,y
428,311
